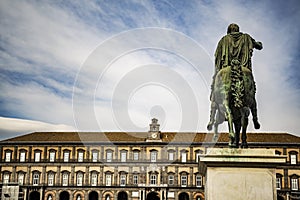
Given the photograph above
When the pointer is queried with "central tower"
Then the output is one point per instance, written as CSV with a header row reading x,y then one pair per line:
x,y
154,134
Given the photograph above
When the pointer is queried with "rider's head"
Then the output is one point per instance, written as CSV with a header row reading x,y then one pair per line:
x,y
233,28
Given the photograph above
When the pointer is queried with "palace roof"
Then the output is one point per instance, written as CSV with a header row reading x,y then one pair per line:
x,y
140,137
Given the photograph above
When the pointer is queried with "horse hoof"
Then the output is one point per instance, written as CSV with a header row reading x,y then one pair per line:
x,y
256,124
209,126
244,145
216,137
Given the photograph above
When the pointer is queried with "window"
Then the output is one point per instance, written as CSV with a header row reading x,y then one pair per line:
x,y
108,156
79,178
78,197
21,178
49,197
153,156
171,156
135,179
37,156
183,181
6,178
94,179
171,180
22,156
135,155
80,156
66,156
198,154
293,159
198,180
95,156
183,156
36,178
122,180
153,178
123,156
52,156
108,180
65,180
7,156
51,179
278,183
294,183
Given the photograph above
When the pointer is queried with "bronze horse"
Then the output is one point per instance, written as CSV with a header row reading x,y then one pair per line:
x,y
234,96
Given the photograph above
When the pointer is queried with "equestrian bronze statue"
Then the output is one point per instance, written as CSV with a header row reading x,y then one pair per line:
x,y
233,86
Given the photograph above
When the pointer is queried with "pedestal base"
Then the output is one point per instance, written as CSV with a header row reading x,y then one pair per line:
x,y
240,174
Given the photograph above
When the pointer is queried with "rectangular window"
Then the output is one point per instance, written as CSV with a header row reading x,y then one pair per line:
x,y
293,159
199,181
65,179
66,156
278,183
108,180
136,155
122,180
79,179
108,156
7,156
153,179
135,179
123,156
80,156
37,156
294,182
94,179
22,156
183,156
183,181
95,156
6,178
21,179
171,155
51,179
153,156
52,156
171,179
36,179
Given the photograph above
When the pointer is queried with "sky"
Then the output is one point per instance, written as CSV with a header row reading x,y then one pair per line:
x,y
113,65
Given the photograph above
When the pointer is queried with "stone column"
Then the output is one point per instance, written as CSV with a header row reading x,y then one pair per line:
x,y
58,175
72,174
44,175
15,153
87,175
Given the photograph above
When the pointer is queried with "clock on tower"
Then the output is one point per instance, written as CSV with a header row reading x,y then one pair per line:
x,y
154,133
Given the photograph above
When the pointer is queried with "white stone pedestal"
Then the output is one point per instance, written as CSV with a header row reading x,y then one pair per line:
x,y
240,174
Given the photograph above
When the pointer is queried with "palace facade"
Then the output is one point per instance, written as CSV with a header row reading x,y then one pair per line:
x,y
125,166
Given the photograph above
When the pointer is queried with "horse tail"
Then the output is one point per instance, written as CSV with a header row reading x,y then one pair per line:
x,y
237,84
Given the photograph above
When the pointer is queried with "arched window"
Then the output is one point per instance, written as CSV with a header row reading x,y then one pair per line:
x,y
79,179
109,155
21,176
78,197
49,197
94,178
50,178
80,155
65,178
36,178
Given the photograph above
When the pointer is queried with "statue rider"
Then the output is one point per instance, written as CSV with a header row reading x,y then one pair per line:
x,y
234,45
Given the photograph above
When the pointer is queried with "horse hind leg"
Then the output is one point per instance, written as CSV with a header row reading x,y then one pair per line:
x,y
245,121
237,127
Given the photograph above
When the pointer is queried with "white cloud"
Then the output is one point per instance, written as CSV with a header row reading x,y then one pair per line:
x,y
11,127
